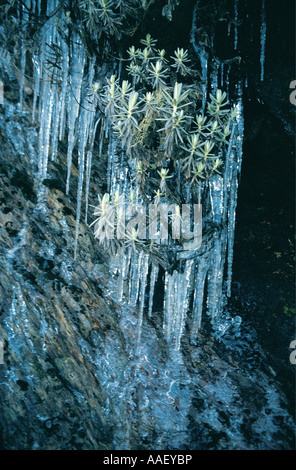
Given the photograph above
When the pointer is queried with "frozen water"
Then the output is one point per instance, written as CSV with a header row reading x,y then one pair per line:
x,y
235,26
262,39
63,93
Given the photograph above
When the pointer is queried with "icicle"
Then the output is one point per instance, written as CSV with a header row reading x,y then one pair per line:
x,y
63,95
214,78
85,117
45,127
86,130
231,226
221,74
153,278
122,276
47,98
135,277
91,71
89,164
36,78
75,93
23,68
215,279
204,67
119,66
183,287
55,125
235,25
231,180
41,81
169,300
228,171
179,313
125,182
227,81
188,192
176,303
47,133
35,7
240,126
143,277
116,176
92,133
198,299
216,198
123,176
51,5
38,6
87,181
262,39
111,161
124,269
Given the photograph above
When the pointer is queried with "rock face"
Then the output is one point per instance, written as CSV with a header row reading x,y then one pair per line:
x,y
53,315
72,378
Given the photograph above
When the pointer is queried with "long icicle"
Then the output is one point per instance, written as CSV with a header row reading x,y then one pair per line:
x,y
55,123
153,279
89,160
86,124
36,78
144,275
215,278
235,25
184,282
262,40
23,68
76,84
63,95
198,299
168,305
233,184
135,279
85,116
93,124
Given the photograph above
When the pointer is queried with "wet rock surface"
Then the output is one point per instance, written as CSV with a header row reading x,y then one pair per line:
x,y
72,378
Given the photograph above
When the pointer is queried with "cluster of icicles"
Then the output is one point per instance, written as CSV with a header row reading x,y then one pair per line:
x,y
223,68
62,108
199,281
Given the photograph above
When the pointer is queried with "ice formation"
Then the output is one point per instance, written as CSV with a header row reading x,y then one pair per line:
x,y
235,26
63,91
263,30
64,103
199,278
